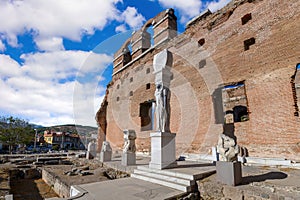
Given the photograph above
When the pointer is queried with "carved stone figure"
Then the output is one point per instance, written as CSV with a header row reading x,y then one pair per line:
x,y
162,111
163,151
161,65
129,141
106,146
227,148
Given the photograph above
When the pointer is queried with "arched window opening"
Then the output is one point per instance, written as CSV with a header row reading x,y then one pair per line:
x,y
150,32
127,53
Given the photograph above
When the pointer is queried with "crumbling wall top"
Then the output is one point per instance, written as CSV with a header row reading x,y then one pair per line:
x,y
164,27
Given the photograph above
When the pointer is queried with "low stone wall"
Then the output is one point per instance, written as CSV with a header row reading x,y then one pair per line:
x,y
61,188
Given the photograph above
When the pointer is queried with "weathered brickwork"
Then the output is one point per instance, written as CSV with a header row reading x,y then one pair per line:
x,y
216,50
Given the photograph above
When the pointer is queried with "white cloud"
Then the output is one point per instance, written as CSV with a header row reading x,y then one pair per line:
x,y
8,67
121,28
48,18
62,64
12,40
187,8
43,88
216,5
2,46
50,44
86,102
131,17
49,21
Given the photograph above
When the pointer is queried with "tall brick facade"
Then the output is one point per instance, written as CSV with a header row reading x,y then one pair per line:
x,y
239,61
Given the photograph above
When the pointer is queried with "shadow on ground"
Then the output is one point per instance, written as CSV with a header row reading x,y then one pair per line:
x,y
267,176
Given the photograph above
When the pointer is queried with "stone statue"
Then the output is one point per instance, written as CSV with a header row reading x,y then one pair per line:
x,y
129,141
227,148
161,65
106,147
163,151
162,110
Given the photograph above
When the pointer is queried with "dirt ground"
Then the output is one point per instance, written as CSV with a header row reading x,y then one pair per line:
x,y
4,184
95,169
37,189
23,189
31,189
258,183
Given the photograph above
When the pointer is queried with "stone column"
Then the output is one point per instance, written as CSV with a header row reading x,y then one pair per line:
x,y
163,151
128,155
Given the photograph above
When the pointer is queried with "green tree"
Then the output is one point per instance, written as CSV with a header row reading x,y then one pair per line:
x,y
14,131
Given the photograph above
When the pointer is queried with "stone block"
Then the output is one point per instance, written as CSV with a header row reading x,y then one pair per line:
x,y
229,173
128,159
215,154
105,156
9,197
90,155
163,152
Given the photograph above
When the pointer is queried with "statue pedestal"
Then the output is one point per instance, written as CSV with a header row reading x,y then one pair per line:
x,y
229,173
105,156
128,159
163,152
90,154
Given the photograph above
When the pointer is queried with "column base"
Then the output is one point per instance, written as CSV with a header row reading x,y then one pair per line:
x,y
229,173
163,151
105,156
128,159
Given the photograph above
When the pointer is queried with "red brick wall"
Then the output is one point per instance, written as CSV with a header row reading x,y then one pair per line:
x,y
267,67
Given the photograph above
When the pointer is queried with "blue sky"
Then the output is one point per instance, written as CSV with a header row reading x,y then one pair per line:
x,y
55,56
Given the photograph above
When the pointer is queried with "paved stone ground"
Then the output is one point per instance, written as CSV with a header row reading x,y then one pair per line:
x,y
128,188
259,183
115,163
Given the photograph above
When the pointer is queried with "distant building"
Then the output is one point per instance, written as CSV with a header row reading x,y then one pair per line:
x,y
62,139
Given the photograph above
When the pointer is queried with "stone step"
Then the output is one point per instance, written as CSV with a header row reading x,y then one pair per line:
x,y
173,179
168,173
176,186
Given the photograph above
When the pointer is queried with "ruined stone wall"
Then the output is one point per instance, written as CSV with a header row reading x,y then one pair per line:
x,y
61,188
213,52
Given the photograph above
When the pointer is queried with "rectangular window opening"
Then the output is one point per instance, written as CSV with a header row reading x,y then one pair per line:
x,y
246,18
235,104
248,43
147,116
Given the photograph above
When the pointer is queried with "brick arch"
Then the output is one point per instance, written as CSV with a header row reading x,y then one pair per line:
x,y
147,24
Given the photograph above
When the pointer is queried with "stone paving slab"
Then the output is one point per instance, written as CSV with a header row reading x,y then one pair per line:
x,y
136,189
185,169
127,188
117,165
